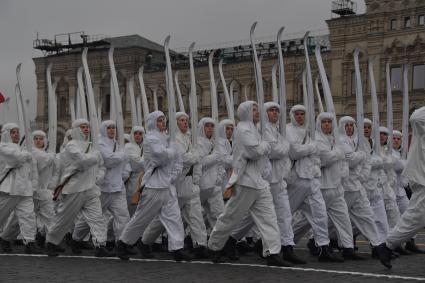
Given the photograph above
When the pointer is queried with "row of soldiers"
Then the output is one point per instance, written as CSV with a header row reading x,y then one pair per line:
x,y
277,188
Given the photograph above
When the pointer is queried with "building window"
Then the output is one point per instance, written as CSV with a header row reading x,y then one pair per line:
x,y
421,20
418,81
396,78
393,24
407,23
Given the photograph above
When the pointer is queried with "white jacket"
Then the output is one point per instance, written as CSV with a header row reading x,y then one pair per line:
x,y
114,159
74,159
331,155
210,158
352,157
249,151
415,166
136,162
160,157
45,168
279,154
302,152
23,178
224,147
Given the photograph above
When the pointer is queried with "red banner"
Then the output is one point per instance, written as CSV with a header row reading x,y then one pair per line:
x,y
2,98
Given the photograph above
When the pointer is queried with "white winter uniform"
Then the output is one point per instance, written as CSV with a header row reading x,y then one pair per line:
x,y
390,184
361,213
281,166
16,190
80,196
333,168
225,148
251,192
401,197
371,179
303,182
207,171
43,203
113,194
134,152
413,219
187,193
159,197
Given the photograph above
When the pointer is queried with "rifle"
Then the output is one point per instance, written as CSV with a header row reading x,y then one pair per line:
x,y
58,189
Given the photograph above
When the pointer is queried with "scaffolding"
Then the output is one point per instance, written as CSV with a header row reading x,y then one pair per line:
x,y
66,42
344,8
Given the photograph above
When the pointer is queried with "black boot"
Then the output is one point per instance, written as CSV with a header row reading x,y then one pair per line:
x,y
121,250
86,245
31,248
68,238
51,249
230,249
110,245
243,247
200,252
188,243
313,249
384,255
101,251
350,254
258,247
276,260
412,247
40,240
181,255
289,255
402,251
215,256
326,256
6,246
75,247
145,250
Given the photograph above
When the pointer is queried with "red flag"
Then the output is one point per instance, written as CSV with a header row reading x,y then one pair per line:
x,y
2,98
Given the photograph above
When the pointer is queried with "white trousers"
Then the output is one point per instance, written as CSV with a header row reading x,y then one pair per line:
x,y
191,213
154,203
23,207
44,212
113,205
412,220
212,203
337,211
402,200
87,204
304,194
170,219
393,214
377,204
259,204
283,214
361,215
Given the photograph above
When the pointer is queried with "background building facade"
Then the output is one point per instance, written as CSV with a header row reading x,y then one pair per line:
x,y
389,31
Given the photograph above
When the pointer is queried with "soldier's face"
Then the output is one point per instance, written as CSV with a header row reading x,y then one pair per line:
x,y
209,130
183,124
161,124
383,138
111,131
299,116
396,142
138,137
229,132
367,130
39,142
273,114
255,114
349,129
85,129
326,125
14,135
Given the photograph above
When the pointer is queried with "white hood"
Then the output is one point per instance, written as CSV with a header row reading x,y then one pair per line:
x,y
5,132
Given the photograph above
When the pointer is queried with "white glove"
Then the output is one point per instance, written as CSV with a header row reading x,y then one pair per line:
x,y
27,156
265,147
